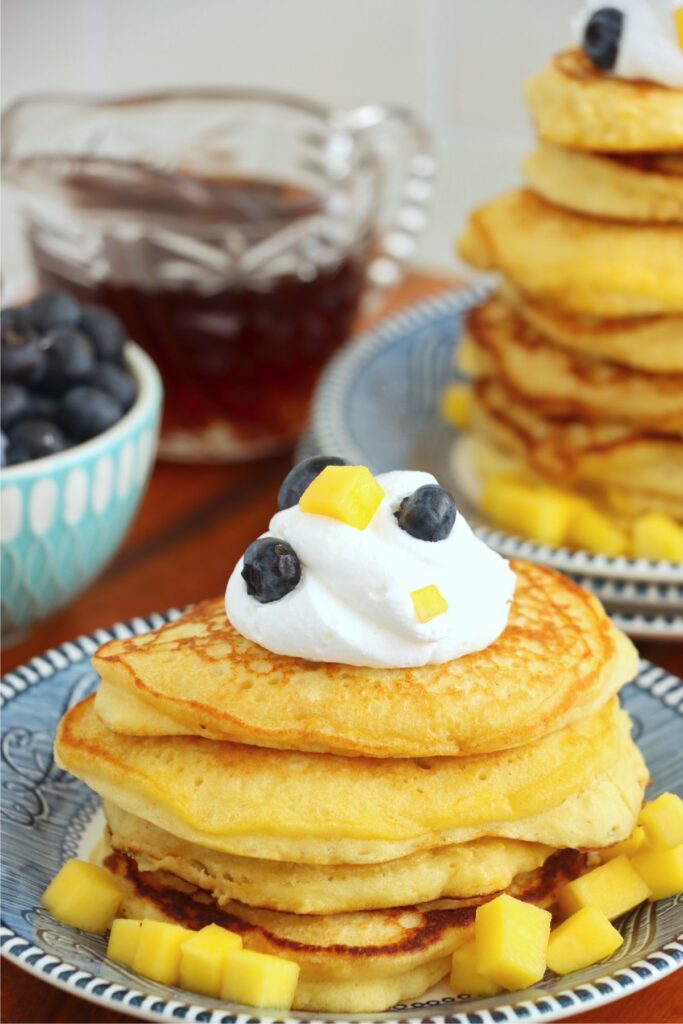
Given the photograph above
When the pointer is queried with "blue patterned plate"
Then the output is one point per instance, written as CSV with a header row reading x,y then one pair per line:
x,y
48,816
376,404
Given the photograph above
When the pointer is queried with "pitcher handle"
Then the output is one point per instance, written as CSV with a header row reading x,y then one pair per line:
x,y
404,150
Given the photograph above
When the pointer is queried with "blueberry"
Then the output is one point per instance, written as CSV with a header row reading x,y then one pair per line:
x,y
304,473
271,569
53,309
115,381
4,445
14,325
17,453
22,358
43,407
15,404
601,37
86,411
105,331
70,359
428,513
38,438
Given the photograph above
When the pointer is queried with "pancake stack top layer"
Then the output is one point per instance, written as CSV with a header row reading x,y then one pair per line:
x,y
578,360
349,818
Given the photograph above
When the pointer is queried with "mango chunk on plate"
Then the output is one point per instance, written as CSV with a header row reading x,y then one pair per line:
x,y
540,513
347,493
661,871
428,602
656,537
83,896
258,979
456,405
158,951
627,847
614,888
123,940
511,939
201,959
583,939
465,977
662,820
594,532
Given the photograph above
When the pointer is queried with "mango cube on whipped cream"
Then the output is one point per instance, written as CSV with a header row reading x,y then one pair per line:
x,y
428,602
347,493
511,941
83,896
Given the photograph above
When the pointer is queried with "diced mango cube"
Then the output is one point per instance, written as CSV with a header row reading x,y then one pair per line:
x,y
347,493
464,975
662,820
614,888
511,941
657,536
428,602
540,513
456,405
158,952
583,939
201,959
661,871
123,940
627,847
258,979
84,896
594,532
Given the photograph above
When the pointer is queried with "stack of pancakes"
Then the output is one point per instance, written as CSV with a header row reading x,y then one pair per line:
x,y
578,359
352,819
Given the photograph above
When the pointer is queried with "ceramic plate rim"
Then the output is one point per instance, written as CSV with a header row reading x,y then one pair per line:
x,y
330,433
20,950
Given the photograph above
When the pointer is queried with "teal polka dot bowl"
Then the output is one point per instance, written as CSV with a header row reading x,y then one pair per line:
x,y
63,517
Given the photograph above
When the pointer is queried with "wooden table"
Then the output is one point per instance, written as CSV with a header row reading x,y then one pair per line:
x,y
193,525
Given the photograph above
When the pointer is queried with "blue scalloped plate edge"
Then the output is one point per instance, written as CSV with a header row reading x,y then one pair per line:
x,y
330,432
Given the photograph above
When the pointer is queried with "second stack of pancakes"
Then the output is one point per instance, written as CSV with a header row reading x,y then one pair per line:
x,y
351,819
578,357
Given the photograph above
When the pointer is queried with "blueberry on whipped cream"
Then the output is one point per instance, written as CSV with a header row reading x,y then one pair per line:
x,y
634,39
370,592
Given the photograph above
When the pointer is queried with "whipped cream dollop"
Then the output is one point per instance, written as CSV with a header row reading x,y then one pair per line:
x,y
648,46
352,604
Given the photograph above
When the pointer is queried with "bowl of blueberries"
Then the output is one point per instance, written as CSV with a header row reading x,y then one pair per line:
x,y
80,409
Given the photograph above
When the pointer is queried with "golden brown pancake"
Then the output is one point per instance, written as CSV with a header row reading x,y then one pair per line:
x,y
456,871
580,786
200,676
576,105
581,264
651,343
500,344
646,187
600,456
355,963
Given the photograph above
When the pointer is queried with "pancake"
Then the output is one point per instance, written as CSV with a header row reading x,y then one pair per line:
x,y
583,265
200,676
646,188
651,343
355,963
575,105
457,871
600,456
501,344
580,786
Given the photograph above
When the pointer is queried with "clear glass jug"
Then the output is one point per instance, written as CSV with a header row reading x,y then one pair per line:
x,y
233,231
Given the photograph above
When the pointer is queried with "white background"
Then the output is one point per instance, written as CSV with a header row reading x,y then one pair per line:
x,y
461,64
